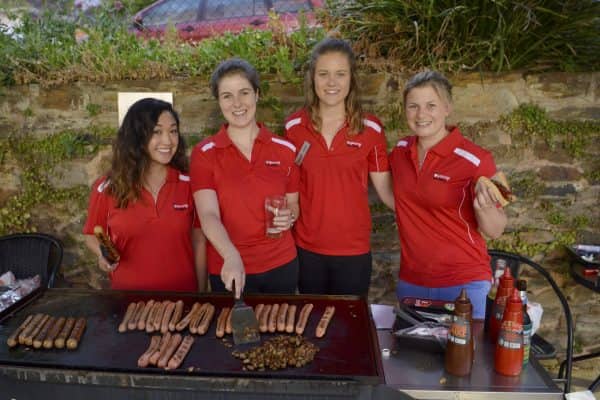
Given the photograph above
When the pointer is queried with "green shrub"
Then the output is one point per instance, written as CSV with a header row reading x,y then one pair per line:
x,y
47,50
489,35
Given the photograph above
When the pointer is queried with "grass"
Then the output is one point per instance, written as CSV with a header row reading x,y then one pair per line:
x,y
47,52
497,35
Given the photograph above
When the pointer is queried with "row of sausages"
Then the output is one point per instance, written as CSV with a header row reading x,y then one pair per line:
x,y
167,351
167,316
42,330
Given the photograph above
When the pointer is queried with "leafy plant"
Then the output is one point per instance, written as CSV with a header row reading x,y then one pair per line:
x,y
46,50
473,35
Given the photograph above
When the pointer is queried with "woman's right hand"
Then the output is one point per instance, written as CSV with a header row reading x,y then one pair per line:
x,y
105,265
233,271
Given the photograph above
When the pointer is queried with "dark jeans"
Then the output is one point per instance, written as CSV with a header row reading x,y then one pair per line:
x,y
323,274
279,280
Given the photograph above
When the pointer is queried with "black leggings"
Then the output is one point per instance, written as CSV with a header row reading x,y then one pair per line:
x,y
322,274
282,279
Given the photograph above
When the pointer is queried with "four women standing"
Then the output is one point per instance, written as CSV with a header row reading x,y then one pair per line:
x,y
334,148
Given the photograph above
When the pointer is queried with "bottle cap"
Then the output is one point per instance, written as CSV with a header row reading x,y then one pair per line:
x,y
514,301
522,285
462,304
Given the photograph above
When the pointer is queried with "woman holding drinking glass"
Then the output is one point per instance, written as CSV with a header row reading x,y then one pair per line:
x,y
233,173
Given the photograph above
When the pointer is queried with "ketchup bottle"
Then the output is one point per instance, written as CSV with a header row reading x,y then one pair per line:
x,y
459,348
508,359
505,288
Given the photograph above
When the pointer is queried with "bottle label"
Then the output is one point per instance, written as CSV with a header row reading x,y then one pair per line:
x,y
499,306
511,335
460,331
526,342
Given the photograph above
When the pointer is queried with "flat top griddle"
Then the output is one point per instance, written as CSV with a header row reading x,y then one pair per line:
x,y
349,351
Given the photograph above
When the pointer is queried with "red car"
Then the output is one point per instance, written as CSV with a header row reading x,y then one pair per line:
x,y
199,19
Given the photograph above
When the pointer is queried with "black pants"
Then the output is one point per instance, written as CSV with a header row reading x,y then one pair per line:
x,y
282,280
322,274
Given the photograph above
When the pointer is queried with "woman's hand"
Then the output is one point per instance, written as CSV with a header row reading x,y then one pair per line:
x,y
284,219
105,265
233,271
491,218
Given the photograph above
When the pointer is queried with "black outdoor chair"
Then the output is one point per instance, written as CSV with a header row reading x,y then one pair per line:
x,y
539,347
29,254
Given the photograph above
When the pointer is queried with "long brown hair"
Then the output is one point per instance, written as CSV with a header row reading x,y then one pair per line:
x,y
354,112
130,155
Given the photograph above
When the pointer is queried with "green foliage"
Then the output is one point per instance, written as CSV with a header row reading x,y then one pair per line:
x,y
484,35
37,160
514,242
528,122
556,218
49,53
526,184
93,109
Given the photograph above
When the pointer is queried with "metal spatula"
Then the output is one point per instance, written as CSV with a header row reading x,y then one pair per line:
x,y
243,323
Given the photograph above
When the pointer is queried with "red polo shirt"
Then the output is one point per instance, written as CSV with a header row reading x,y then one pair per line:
x,y
334,205
241,188
153,239
441,244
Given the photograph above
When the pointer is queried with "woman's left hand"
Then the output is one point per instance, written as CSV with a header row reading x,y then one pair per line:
x,y
484,198
284,219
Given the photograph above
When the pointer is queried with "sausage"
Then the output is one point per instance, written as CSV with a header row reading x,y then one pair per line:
x,y
39,339
144,359
206,319
197,317
152,316
272,325
228,328
222,322
324,322
181,325
30,327
141,323
258,310
76,334
176,315
264,318
128,315
13,339
169,350
303,318
291,319
59,343
108,249
181,352
164,341
53,332
159,314
36,330
164,325
137,314
281,317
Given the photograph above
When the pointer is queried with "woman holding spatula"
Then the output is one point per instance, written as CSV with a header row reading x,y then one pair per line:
x,y
235,175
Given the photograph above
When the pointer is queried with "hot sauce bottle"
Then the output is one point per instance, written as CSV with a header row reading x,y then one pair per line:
x,y
527,325
505,288
459,348
508,359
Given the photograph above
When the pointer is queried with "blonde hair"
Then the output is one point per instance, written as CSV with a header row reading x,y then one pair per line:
x,y
435,80
354,112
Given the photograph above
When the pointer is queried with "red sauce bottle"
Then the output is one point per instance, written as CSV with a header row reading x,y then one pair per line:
x,y
508,359
505,288
459,348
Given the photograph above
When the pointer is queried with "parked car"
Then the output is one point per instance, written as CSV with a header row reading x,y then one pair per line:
x,y
198,19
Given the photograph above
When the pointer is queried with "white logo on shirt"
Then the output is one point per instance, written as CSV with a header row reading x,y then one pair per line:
x,y
269,162
441,177
181,206
353,144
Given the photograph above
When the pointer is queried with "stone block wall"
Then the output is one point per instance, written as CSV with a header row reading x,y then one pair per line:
x,y
554,187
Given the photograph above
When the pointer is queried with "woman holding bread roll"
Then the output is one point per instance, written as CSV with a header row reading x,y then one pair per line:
x,y
444,203
142,212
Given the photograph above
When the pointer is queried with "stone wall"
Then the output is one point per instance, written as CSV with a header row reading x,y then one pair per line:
x,y
566,187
